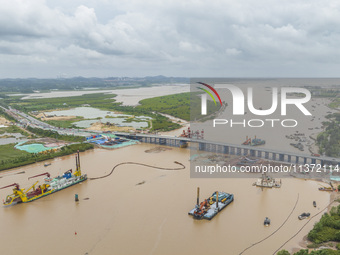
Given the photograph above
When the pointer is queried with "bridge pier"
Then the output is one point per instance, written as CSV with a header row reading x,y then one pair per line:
x,y
282,157
201,146
274,156
239,152
266,155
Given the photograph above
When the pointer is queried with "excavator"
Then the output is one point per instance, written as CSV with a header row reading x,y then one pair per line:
x,y
204,206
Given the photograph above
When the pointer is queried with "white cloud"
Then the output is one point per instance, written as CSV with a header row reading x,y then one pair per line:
x,y
170,37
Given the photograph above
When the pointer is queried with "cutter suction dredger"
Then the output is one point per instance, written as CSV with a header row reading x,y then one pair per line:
x,y
50,185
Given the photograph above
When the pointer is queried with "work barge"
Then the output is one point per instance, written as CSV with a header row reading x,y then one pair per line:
x,y
50,186
210,207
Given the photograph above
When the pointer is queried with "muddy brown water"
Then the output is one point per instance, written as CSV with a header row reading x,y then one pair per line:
x,y
121,217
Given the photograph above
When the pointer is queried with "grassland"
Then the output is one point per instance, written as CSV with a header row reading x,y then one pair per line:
x,y
8,152
14,129
306,252
65,123
329,140
183,105
55,134
11,157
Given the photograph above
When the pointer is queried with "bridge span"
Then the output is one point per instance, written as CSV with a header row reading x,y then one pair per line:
x,y
233,149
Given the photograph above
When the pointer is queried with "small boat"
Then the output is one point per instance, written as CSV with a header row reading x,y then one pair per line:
x,y
266,222
325,189
47,164
304,216
314,203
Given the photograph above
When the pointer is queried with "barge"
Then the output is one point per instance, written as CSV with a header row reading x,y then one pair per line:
x,y
267,182
210,207
50,186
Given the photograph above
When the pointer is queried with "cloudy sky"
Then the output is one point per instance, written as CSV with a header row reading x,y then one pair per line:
x,y
225,38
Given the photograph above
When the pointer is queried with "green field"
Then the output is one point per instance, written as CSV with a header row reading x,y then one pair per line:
x,y
65,123
183,105
14,129
8,152
11,157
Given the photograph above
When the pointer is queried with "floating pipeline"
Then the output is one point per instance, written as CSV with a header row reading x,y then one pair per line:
x,y
141,164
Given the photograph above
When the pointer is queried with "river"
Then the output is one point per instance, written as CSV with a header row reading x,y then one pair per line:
x,y
121,217
126,96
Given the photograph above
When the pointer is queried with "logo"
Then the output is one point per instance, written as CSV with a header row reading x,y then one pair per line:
x,y
283,94
204,97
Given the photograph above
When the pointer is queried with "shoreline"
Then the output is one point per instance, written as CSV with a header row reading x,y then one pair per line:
x,y
333,196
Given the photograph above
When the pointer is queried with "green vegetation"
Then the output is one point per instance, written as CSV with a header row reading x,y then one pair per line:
x,y
283,252
99,100
14,129
305,252
54,134
161,123
11,157
6,115
65,123
328,228
324,233
335,104
8,152
178,105
329,140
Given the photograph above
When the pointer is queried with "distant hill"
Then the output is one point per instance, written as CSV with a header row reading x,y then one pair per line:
x,y
30,85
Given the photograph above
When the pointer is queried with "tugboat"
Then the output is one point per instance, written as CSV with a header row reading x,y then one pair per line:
x,y
50,185
47,164
266,222
257,142
210,207
267,182
304,216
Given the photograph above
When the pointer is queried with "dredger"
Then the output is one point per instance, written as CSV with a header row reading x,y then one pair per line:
x,y
50,186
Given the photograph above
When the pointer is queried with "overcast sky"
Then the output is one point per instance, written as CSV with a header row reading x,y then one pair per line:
x,y
243,38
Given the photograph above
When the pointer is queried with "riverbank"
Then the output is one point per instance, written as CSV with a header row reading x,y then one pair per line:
x,y
305,243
